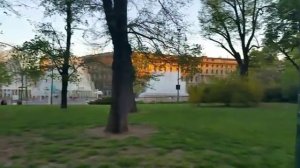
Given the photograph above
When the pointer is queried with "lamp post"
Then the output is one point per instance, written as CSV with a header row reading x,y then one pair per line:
x,y
51,87
178,69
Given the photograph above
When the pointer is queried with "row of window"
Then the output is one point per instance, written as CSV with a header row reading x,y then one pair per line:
x,y
217,71
217,65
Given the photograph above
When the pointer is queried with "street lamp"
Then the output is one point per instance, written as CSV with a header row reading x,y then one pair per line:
x,y
178,69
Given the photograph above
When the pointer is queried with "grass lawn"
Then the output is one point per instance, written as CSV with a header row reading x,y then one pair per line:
x,y
186,136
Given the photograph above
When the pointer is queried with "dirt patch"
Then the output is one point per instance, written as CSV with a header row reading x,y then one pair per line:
x,y
9,148
139,131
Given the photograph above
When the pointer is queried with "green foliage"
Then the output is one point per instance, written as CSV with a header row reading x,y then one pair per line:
x,y
262,58
26,64
290,84
103,101
5,77
273,94
230,91
283,28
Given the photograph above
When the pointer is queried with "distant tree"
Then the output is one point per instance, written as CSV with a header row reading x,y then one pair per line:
x,y
233,24
51,57
5,77
26,66
72,11
262,58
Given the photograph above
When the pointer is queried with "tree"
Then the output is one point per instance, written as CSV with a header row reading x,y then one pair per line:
x,y
283,34
145,29
51,57
72,10
265,57
122,92
5,77
26,66
232,23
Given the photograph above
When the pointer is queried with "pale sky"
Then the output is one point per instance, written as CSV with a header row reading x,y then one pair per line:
x,y
17,29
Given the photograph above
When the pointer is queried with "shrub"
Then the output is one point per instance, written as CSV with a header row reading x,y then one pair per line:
x,y
273,94
3,102
19,102
234,91
195,94
103,101
290,93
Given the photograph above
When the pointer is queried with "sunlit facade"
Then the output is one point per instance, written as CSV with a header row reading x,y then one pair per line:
x,y
96,75
99,67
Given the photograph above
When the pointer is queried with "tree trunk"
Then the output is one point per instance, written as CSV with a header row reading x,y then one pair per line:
x,y
64,91
243,69
134,106
66,65
122,78
122,91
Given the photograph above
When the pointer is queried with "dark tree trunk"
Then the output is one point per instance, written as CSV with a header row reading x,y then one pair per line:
x,y
243,69
65,68
122,81
122,101
64,91
134,106
243,64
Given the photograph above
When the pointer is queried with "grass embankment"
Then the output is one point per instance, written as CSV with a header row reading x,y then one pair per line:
x,y
187,136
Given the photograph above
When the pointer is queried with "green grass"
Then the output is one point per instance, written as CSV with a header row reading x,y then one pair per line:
x,y
187,136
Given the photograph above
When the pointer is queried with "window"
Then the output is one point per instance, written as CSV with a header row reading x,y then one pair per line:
x,y
207,71
216,71
212,71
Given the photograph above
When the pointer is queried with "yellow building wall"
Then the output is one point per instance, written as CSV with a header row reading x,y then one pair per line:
x,y
149,63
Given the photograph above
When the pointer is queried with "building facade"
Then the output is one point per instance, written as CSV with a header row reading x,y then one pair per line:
x,y
214,67
165,67
96,75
